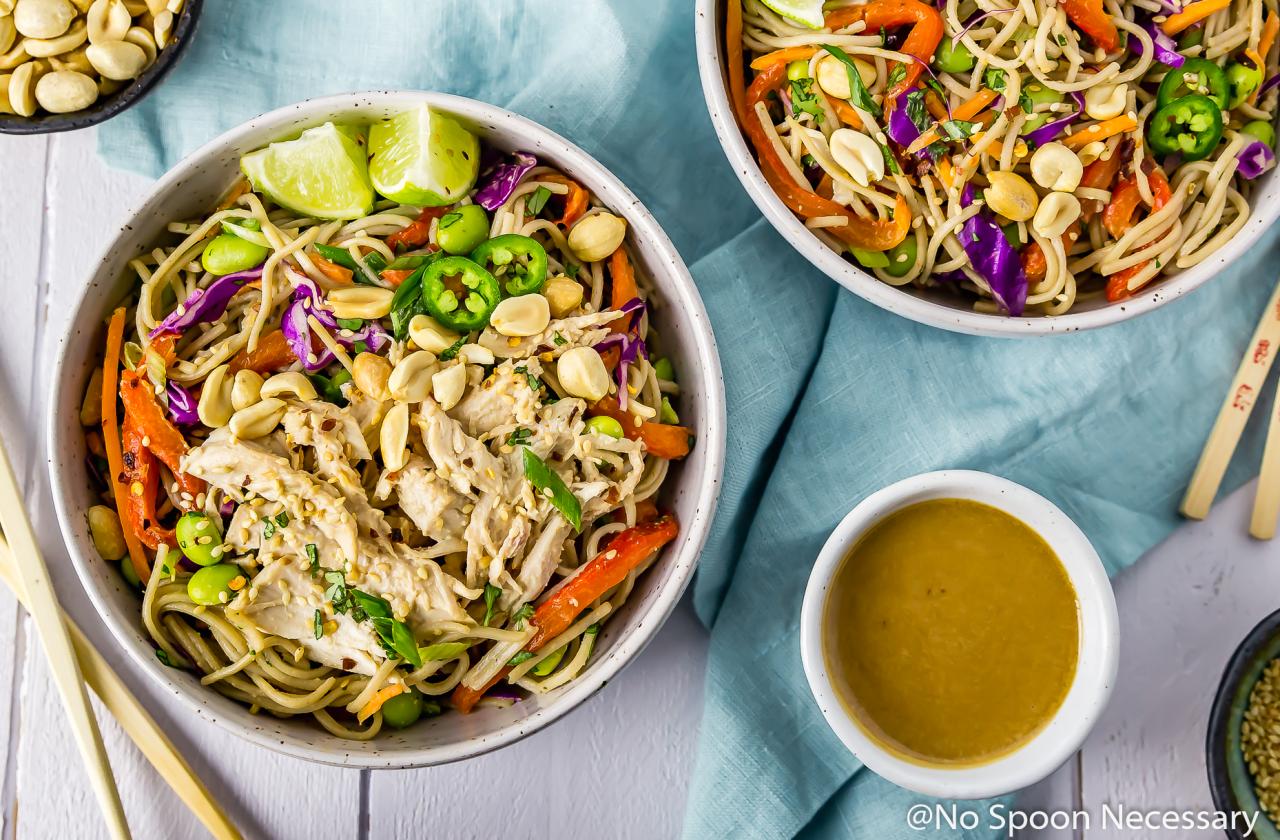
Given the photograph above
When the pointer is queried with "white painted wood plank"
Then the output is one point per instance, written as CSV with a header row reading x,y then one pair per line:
x,y
617,767
21,252
86,202
1183,610
1058,793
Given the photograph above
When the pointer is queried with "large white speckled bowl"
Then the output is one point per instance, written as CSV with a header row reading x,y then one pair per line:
x,y
937,308
191,189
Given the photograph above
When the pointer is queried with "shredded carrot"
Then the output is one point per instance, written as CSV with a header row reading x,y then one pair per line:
x,y
160,435
240,188
733,54
845,112
783,56
575,201
974,105
1262,70
1192,15
1101,131
375,702
946,172
111,435
331,270
931,136
624,286
1269,30
937,109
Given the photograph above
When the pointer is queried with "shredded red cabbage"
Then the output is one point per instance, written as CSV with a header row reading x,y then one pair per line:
x,y
503,180
1166,49
631,347
901,129
993,258
297,332
182,406
1049,132
1269,84
1255,159
205,305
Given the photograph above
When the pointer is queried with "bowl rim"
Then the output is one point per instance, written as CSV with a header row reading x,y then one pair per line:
x,y
1263,636
1097,661
704,488
128,96
894,299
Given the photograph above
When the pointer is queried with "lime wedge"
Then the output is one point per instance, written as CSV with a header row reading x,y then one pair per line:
x,y
423,157
324,173
804,12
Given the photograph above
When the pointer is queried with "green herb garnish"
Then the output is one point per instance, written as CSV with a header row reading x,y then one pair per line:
x,y
859,96
519,437
533,206
548,483
491,594
451,352
522,656
317,624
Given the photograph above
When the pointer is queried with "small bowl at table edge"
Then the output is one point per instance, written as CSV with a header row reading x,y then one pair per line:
x,y
107,107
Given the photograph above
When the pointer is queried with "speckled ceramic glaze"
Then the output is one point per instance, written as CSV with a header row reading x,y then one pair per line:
x,y
108,106
1095,674
191,189
938,309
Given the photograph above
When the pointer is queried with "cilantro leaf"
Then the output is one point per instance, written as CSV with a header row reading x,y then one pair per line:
x,y
519,437
521,616
491,594
533,206
897,74
451,352
958,129
804,100
994,79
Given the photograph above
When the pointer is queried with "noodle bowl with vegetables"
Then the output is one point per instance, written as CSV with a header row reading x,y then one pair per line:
x,y
384,433
1026,157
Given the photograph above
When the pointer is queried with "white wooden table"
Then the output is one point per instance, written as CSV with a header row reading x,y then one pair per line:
x,y
618,767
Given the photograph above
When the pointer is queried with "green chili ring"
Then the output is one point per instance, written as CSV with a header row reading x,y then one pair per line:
x,y
1208,80
1190,126
445,280
518,262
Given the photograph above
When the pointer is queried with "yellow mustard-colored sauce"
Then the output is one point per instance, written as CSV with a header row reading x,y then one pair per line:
x,y
951,632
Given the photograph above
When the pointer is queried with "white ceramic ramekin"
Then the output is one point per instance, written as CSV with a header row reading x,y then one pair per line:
x,y
934,308
191,189
1099,638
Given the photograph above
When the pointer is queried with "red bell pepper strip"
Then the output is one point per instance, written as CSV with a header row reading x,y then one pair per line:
x,y
606,570
273,352
416,233
1092,19
141,486
921,43
1098,176
161,437
661,440
1117,219
867,234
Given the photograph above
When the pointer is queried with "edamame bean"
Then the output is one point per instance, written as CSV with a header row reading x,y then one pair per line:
x,y
227,253
402,710
902,257
130,576
1243,81
1039,95
463,229
215,585
663,369
198,537
667,414
798,70
549,664
953,57
1262,130
869,259
605,426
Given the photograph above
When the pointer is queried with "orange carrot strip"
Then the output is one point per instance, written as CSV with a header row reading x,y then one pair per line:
x,y
396,276
966,110
845,112
417,232
921,42
382,696
661,440
785,55
1192,15
1269,30
606,570
733,54
575,201
624,286
111,437
233,195
1101,131
161,436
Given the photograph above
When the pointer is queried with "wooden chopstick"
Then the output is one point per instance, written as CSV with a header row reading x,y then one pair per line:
x,y
42,604
1266,500
134,719
1234,414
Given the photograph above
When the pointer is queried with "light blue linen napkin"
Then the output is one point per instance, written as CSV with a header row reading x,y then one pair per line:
x,y
829,398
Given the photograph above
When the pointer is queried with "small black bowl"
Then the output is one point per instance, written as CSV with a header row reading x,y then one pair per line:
x,y
108,106
1229,779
